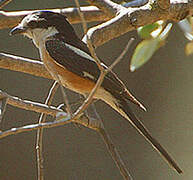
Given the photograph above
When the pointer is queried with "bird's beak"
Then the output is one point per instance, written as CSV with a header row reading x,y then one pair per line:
x,y
18,30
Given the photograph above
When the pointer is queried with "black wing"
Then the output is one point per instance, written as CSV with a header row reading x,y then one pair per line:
x,y
77,59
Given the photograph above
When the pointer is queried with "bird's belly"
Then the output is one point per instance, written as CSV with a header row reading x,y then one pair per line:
x,y
66,78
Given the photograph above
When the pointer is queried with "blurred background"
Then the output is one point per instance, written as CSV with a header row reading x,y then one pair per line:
x,y
164,85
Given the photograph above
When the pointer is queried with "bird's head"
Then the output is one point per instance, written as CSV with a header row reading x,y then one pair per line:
x,y
42,24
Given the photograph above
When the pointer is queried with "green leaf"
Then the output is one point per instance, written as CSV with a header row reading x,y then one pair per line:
x,y
145,32
144,52
146,48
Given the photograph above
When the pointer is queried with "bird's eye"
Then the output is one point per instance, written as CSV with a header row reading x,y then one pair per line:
x,y
32,24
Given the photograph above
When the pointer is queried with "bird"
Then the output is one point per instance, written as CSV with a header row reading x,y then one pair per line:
x,y
69,61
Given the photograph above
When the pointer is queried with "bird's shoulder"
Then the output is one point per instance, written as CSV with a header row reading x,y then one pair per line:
x,y
73,54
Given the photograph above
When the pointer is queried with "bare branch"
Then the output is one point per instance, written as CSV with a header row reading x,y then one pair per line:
x,y
3,104
65,98
93,124
89,99
114,153
136,17
128,19
49,110
25,65
4,3
84,24
164,4
121,55
31,127
42,119
29,105
91,13
110,146
109,7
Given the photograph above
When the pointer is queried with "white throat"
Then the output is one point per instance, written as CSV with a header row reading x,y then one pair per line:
x,y
39,35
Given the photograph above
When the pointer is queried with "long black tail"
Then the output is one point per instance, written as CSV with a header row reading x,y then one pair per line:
x,y
143,131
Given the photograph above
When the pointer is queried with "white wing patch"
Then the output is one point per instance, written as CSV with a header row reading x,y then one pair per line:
x,y
83,54
86,74
80,52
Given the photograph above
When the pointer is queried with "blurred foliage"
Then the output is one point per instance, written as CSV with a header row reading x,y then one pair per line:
x,y
153,36
187,27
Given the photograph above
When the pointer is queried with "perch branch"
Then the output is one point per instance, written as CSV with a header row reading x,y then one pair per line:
x,y
127,20
109,7
49,110
91,13
82,120
25,65
29,105
135,17
164,4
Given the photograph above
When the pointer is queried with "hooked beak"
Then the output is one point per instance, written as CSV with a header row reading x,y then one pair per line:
x,y
17,30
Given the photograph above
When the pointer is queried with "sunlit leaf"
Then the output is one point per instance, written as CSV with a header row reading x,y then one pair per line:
x,y
150,30
144,52
147,48
189,48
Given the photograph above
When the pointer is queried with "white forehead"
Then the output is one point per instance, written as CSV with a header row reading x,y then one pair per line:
x,y
28,18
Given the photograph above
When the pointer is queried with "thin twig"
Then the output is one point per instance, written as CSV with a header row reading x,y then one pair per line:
x,y
49,110
110,146
3,104
83,120
109,7
42,119
65,97
4,3
30,105
114,154
121,55
90,46
88,100
32,127
123,170
84,24
99,82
